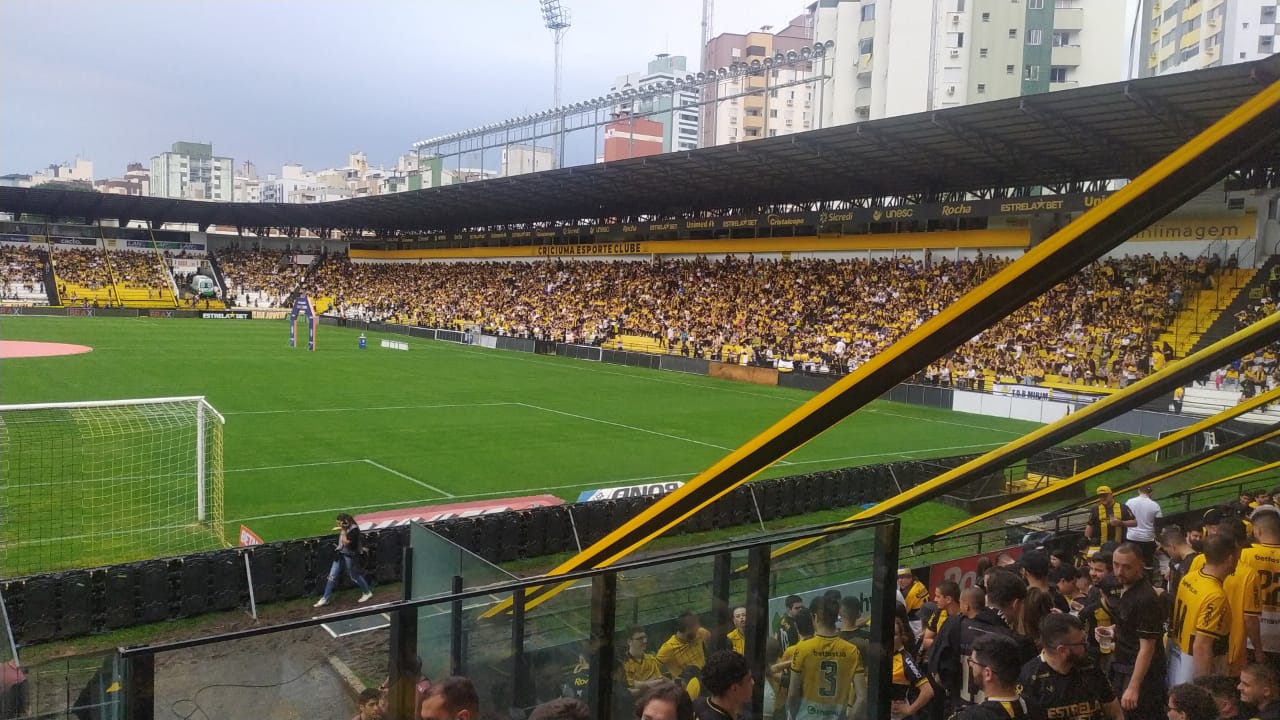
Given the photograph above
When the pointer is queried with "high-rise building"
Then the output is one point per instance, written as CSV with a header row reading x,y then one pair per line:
x,y
191,171
775,101
894,57
521,159
632,137
677,110
1177,35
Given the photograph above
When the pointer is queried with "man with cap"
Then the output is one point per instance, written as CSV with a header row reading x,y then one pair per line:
x,y
1143,533
1109,521
914,595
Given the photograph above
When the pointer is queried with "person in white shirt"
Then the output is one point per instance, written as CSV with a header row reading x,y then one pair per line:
x,y
1145,511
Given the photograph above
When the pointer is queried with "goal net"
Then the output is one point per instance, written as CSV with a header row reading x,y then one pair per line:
x,y
97,483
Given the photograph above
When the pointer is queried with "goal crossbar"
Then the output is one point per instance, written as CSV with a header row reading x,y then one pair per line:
x,y
116,403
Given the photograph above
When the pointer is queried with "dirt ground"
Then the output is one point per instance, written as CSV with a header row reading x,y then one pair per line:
x,y
275,676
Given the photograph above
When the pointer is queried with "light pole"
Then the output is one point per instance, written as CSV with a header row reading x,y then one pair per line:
x,y
556,19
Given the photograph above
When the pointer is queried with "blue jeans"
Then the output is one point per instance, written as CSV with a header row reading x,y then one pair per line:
x,y
352,571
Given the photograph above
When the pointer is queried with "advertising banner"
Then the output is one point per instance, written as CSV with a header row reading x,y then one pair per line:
x,y
964,571
432,513
615,493
248,537
226,314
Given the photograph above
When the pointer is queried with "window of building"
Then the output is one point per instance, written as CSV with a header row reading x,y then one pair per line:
x,y
1035,4
1013,33
773,133
1008,69
1061,38
1190,52
773,113
1168,39
955,40
688,131
1057,74
1265,43
1268,14
1170,13
1192,24
986,17
735,52
1030,72
959,5
773,93
1035,36
865,46
755,51
982,52
868,12
982,88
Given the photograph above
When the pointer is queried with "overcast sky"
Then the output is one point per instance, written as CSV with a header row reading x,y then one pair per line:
x,y
277,81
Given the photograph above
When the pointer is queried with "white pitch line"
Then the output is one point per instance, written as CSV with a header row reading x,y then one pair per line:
x,y
294,465
410,478
369,409
627,427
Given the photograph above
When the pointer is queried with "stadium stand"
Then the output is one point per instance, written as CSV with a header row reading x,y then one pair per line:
x,y
22,274
112,278
259,278
1094,331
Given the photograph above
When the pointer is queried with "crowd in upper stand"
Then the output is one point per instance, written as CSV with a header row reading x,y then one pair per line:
x,y
259,278
21,270
1097,327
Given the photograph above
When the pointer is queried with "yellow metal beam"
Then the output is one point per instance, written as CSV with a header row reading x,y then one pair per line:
x,y
1150,196
1112,464
1238,476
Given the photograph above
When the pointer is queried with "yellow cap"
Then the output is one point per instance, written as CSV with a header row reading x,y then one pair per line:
x,y
1104,490
904,571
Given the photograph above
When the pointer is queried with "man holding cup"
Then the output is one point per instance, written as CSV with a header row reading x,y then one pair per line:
x,y
1136,666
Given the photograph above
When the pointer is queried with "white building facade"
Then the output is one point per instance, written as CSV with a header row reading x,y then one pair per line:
x,y
191,171
894,57
1178,35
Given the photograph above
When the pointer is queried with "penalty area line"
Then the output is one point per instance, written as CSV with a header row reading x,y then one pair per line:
x,y
410,478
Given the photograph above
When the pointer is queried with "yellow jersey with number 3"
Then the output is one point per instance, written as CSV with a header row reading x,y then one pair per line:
x,y
826,666
1265,560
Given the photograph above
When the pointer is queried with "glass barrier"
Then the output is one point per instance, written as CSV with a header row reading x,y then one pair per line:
x,y
85,686
603,638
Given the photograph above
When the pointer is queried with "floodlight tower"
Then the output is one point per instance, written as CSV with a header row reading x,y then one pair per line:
x,y
556,19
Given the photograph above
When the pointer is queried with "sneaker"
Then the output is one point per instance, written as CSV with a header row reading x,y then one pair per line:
x,y
365,596
321,602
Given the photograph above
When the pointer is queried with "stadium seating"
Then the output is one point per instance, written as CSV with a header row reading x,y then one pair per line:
x,y
259,279
22,275
113,278
1094,331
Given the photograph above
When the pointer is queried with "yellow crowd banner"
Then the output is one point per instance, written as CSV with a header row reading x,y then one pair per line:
x,y
1012,238
1201,227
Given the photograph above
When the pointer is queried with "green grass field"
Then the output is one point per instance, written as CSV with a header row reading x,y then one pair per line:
x,y
340,429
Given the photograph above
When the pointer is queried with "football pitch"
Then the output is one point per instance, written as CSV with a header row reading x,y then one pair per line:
x,y
308,434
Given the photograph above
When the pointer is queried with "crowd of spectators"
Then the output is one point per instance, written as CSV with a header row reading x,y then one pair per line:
x,y
1099,327
86,267
21,271
1145,623
257,278
139,270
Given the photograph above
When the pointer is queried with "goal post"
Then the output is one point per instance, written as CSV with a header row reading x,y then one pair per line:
x,y
84,484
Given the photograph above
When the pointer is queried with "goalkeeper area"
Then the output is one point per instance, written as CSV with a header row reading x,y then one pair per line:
x,y
311,434
113,480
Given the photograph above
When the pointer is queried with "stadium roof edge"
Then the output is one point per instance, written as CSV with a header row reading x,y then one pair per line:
x,y
1052,139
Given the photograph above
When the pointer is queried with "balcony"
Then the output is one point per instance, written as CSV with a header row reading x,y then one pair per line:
x,y
1068,19
1068,55
1066,85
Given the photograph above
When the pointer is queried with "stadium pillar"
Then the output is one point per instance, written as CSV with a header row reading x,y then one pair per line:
x,y
404,648
140,688
520,694
455,630
883,599
604,600
721,612
758,559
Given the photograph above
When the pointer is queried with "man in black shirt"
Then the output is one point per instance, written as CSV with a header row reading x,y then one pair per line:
x,y
994,665
1062,681
947,664
1137,666
728,682
1003,587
